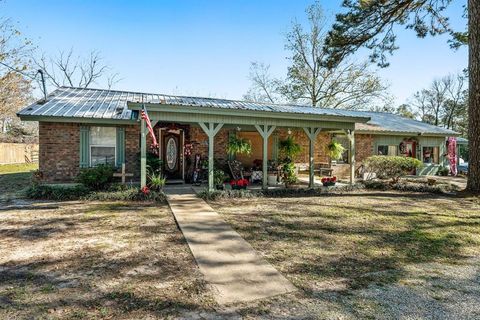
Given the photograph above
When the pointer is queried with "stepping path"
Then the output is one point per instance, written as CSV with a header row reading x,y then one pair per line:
x,y
234,270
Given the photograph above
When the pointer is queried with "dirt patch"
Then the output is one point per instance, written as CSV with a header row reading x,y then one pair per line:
x,y
110,260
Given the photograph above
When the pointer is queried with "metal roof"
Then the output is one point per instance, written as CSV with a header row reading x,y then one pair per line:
x,y
389,122
111,104
68,102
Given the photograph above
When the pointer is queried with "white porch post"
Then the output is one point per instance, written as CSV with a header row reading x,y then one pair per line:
x,y
351,138
211,129
143,153
312,134
265,131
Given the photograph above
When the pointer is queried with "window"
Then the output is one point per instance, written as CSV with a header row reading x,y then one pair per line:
x,y
430,155
387,150
103,141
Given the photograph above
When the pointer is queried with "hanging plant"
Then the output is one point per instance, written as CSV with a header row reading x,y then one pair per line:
x,y
238,146
288,149
335,150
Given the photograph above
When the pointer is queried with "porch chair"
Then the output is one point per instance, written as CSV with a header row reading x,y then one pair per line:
x,y
323,168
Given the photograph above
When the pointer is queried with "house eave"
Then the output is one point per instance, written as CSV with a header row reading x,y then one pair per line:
x,y
243,113
407,133
76,119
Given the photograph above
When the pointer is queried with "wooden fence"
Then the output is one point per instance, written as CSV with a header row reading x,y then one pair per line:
x,y
18,153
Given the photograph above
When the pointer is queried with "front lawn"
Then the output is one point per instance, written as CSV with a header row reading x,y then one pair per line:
x,y
347,252
109,260
15,177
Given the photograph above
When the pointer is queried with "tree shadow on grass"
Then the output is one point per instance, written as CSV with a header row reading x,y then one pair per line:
x,y
319,245
149,273
13,182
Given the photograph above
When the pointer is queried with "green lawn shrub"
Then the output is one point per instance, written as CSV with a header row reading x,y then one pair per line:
x,y
128,194
411,186
391,167
56,192
96,178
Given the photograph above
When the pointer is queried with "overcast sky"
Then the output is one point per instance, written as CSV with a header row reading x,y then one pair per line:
x,y
205,47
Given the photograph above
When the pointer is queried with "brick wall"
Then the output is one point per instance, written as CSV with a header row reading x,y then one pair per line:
x,y
199,140
323,139
59,153
60,146
132,150
200,145
363,147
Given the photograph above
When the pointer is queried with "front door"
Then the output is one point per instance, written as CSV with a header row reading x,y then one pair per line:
x,y
171,156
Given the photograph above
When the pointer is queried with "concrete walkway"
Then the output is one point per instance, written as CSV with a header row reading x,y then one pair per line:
x,y
234,270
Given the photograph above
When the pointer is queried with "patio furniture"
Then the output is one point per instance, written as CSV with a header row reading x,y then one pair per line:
x,y
237,170
257,175
323,169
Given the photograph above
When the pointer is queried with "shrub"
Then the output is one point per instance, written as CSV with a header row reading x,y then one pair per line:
x,y
56,192
96,178
276,193
387,167
411,186
443,171
226,194
128,194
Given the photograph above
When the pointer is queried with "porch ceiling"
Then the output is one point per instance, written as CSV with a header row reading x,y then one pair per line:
x,y
193,114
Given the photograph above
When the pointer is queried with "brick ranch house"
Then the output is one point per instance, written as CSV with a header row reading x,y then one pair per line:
x,y
83,127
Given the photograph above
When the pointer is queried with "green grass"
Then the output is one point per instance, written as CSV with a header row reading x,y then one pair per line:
x,y
18,167
15,177
360,239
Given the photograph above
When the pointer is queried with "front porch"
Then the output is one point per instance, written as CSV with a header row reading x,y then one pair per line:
x,y
266,127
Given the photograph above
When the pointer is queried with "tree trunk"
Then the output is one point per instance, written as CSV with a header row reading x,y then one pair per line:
x,y
473,183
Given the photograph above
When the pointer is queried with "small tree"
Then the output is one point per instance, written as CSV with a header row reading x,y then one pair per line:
x,y
288,150
386,167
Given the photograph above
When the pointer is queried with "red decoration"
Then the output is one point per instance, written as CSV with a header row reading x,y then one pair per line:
x,y
329,181
239,183
145,190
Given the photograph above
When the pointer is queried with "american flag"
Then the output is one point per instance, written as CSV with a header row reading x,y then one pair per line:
x,y
144,116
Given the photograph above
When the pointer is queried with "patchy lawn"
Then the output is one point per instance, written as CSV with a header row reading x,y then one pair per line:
x,y
97,260
367,255
15,177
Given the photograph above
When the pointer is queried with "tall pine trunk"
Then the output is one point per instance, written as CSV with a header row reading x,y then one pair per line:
x,y
473,183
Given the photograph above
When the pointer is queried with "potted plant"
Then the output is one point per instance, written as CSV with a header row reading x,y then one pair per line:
x,y
156,181
335,150
329,181
218,179
238,145
288,150
239,184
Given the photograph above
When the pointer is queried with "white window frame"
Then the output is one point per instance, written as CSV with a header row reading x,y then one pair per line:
x,y
388,147
432,156
103,145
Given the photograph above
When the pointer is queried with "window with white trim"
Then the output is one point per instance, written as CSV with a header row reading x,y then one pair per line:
x,y
387,150
103,145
